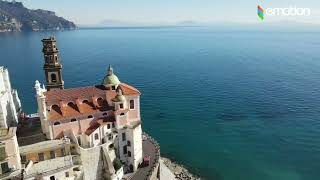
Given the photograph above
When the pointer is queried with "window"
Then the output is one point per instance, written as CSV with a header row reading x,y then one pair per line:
x,y
67,174
123,136
100,101
5,167
52,178
73,119
63,152
52,154
128,143
110,136
96,136
113,87
85,102
90,116
131,104
56,108
53,78
113,125
129,153
105,114
122,114
2,153
108,126
56,123
121,106
76,169
73,106
41,157
125,150
111,146
23,158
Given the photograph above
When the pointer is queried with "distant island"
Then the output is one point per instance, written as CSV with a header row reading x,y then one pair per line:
x,y
15,17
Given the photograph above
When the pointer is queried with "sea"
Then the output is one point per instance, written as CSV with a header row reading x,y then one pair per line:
x,y
227,103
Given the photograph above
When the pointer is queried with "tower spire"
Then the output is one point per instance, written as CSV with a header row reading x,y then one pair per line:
x,y
52,65
110,70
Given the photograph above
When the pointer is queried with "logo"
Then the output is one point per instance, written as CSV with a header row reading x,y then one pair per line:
x,y
260,12
288,11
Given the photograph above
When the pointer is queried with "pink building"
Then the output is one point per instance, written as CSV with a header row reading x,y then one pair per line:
x,y
105,114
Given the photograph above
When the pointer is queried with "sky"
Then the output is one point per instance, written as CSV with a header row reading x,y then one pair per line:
x,y
85,12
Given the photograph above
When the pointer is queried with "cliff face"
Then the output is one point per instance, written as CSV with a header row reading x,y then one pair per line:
x,y
15,17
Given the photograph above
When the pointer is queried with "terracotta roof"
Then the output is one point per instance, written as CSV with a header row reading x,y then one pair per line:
x,y
98,123
75,95
92,128
84,92
129,90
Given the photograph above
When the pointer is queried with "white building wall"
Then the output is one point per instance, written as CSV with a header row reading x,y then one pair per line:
x,y
42,110
136,147
9,101
121,143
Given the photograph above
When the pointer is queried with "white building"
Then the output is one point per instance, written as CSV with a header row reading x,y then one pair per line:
x,y
10,105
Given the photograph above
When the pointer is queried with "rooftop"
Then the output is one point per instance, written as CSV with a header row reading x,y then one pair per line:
x,y
51,166
74,102
29,132
45,145
98,123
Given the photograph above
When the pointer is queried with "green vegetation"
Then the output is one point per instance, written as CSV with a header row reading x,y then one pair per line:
x,y
15,17
117,164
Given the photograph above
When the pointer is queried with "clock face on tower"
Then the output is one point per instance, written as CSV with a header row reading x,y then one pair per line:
x,y
52,65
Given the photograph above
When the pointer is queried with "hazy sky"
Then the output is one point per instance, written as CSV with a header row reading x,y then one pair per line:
x,y
166,11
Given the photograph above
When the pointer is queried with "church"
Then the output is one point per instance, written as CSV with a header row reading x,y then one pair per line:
x,y
104,116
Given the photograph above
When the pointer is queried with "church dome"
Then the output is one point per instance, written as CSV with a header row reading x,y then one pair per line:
x,y
110,78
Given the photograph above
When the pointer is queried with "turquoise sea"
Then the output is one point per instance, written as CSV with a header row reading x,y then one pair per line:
x,y
227,104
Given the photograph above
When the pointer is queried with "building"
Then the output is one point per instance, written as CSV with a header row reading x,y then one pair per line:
x,y
103,118
84,133
10,105
52,66
10,163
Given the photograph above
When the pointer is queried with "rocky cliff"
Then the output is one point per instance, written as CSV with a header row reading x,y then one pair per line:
x,y
15,17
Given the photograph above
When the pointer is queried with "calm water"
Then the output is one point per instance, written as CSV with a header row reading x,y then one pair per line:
x,y
229,105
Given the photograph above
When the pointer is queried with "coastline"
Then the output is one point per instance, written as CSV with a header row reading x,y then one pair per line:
x,y
178,170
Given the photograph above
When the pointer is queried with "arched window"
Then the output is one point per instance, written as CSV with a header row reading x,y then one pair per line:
x,y
90,116
53,78
85,102
72,105
73,119
105,114
100,101
96,136
56,108
56,123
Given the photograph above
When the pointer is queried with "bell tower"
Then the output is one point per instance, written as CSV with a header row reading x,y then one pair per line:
x,y
52,66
